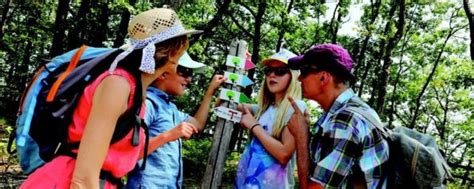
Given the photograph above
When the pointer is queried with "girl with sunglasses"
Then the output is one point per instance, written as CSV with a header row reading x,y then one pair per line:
x,y
267,161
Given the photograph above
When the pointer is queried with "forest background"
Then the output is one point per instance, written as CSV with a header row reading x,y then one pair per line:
x,y
414,59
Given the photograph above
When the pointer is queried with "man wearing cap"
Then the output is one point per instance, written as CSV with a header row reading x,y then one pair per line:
x,y
164,167
347,151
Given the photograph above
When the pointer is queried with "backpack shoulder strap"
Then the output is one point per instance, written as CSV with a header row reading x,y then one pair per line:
x,y
373,120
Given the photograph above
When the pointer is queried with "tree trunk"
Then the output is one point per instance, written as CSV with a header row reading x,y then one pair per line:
x,y
360,59
465,177
470,18
75,36
331,30
99,35
6,8
256,42
282,31
59,28
378,55
392,110
445,107
123,26
21,70
428,80
173,4
392,43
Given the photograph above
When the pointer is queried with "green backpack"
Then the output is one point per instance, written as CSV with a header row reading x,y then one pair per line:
x,y
414,161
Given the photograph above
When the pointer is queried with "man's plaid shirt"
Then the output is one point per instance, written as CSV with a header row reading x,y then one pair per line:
x,y
346,143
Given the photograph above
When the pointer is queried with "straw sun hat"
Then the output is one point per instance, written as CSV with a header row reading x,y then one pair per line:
x,y
148,28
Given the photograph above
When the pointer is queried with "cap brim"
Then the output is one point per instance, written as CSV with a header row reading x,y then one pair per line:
x,y
187,62
268,60
296,62
196,66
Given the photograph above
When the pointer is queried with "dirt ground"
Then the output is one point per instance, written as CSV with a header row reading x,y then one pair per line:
x,y
10,176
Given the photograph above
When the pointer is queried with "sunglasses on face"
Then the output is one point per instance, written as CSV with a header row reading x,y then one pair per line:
x,y
279,71
307,69
184,72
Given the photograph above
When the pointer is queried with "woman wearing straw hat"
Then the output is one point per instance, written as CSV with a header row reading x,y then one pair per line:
x,y
267,159
157,41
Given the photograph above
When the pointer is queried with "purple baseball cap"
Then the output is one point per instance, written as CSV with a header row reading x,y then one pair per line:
x,y
328,57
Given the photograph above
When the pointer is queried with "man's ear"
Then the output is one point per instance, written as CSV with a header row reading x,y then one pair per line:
x,y
325,78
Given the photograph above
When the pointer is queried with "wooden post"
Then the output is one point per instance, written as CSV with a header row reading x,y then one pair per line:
x,y
215,166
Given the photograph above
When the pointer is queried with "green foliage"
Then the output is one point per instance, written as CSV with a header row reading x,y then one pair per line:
x,y
195,154
446,105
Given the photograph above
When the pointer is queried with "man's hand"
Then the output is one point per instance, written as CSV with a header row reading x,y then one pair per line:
x,y
299,121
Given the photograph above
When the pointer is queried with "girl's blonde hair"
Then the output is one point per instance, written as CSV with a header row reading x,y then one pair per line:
x,y
266,98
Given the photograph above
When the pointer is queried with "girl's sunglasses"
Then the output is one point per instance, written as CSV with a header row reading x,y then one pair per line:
x,y
279,71
184,72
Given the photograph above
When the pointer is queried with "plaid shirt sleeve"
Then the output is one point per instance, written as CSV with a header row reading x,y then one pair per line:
x,y
339,149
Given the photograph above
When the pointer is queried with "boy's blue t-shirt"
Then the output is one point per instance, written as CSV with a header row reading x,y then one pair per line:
x,y
164,167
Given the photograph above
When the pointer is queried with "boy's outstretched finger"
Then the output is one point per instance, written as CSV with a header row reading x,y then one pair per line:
x,y
293,103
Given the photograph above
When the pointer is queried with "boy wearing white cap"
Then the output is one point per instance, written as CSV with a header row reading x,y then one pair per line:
x,y
164,167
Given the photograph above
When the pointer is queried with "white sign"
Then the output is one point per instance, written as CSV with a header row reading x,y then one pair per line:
x,y
228,114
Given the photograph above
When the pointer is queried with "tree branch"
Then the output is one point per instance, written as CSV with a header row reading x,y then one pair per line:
x,y
246,32
470,18
214,22
246,7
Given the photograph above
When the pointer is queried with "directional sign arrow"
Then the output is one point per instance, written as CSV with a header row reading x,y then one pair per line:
x,y
238,79
235,96
249,64
237,62
228,114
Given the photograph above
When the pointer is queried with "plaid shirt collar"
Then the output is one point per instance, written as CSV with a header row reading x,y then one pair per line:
x,y
336,105
341,100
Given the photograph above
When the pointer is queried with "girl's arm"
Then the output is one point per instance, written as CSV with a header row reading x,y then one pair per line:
x,y
109,102
280,150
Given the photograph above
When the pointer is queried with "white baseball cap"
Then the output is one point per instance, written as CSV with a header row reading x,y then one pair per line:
x,y
187,62
281,56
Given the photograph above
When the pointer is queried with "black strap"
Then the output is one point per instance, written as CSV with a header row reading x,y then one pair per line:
x,y
106,175
10,143
147,141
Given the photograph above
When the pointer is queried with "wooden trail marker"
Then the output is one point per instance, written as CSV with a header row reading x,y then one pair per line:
x,y
236,61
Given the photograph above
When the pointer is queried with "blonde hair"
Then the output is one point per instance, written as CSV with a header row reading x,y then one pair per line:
x,y
266,98
166,48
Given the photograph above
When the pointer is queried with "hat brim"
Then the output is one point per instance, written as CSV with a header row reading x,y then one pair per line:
x,y
296,62
195,66
268,60
183,33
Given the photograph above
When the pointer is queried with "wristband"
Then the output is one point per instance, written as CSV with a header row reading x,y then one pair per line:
x,y
251,128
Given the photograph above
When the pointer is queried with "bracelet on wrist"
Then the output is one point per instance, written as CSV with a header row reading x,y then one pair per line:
x,y
253,126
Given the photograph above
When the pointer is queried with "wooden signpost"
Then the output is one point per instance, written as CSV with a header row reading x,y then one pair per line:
x,y
237,62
